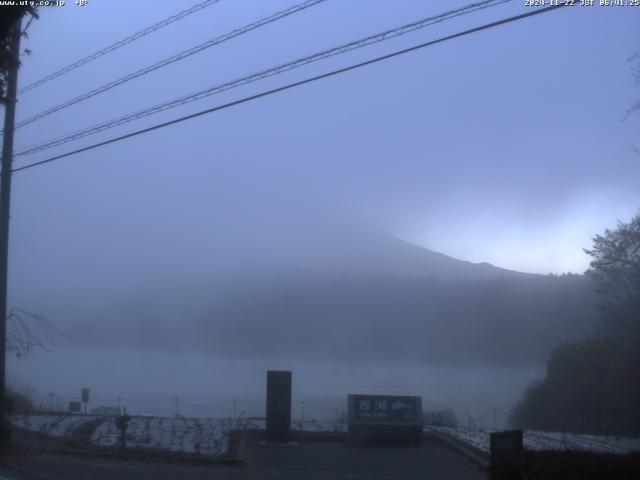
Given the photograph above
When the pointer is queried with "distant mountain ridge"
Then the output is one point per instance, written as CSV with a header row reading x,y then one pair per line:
x,y
400,258
344,246
369,251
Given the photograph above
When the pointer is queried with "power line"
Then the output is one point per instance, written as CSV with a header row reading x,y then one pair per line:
x,y
371,39
119,44
200,405
297,84
168,61
252,405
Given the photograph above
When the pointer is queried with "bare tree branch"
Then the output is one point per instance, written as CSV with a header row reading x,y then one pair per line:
x,y
27,332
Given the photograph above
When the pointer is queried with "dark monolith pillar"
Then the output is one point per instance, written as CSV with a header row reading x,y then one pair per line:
x,y
278,406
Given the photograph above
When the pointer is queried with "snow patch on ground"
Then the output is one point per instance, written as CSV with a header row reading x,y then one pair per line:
x,y
312,425
56,426
210,436
203,436
534,440
335,426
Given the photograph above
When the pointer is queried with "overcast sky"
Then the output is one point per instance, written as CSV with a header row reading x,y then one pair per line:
x,y
507,146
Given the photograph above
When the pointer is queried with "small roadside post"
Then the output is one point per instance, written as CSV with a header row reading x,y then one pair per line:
x,y
122,423
505,445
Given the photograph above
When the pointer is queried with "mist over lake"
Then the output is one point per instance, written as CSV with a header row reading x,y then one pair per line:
x,y
354,311
201,382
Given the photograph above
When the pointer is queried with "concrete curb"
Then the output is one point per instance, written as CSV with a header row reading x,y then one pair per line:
x,y
137,455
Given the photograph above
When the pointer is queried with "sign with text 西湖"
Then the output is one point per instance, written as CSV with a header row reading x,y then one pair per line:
x,y
385,409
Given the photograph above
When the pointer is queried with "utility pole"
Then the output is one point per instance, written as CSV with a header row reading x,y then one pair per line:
x,y
5,203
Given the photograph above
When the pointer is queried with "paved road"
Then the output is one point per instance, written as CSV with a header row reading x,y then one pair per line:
x,y
309,460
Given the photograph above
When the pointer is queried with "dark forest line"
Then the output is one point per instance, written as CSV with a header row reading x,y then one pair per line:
x,y
593,385
494,321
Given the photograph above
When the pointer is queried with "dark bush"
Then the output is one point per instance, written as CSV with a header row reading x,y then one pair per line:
x,y
567,465
18,403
